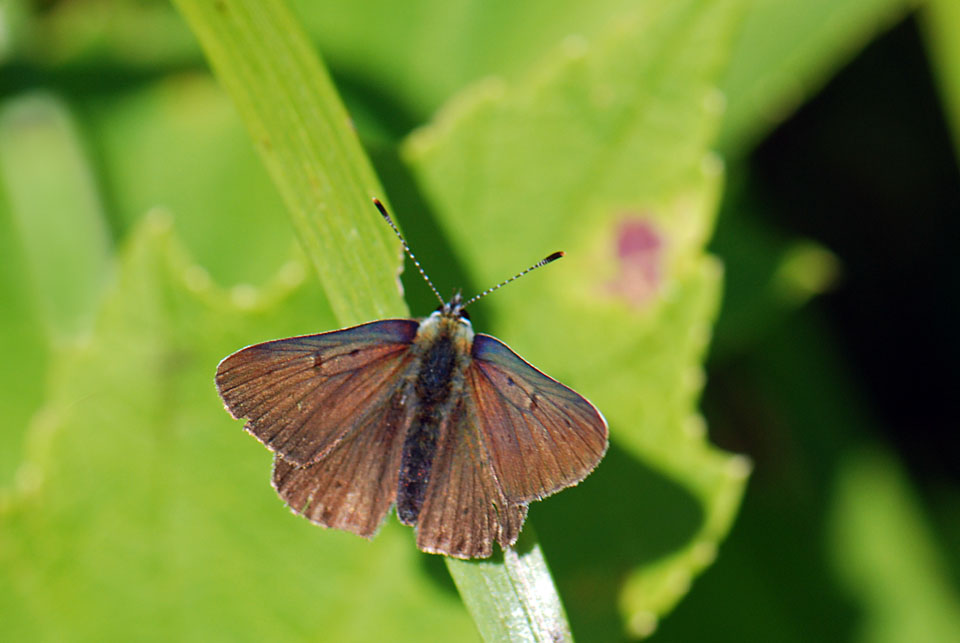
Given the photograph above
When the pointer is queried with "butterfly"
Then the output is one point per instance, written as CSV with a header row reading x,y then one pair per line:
x,y
450,426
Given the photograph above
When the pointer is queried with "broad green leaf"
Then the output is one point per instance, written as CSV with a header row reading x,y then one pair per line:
x,y
786,50
604,147
145,512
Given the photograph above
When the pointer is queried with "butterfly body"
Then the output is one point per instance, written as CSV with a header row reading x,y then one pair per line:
x,y
441,357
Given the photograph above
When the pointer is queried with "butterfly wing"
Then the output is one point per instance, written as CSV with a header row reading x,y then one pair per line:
x,y
516,435
464,509
353,486
303,395
540,436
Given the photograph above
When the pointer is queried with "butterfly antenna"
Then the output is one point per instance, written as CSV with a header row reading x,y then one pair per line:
x,y
548,259
406,248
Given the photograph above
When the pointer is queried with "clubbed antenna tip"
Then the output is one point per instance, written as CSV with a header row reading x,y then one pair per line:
x,y
548,259
406,248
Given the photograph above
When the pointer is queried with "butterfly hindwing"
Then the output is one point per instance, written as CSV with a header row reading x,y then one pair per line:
x,y
354,484
465,510
301,396
540,435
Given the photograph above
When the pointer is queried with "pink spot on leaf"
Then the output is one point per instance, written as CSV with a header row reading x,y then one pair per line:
x,y
640,251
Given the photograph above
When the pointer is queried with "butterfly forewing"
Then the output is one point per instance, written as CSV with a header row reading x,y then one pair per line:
x,y
540,436
302,395
465,510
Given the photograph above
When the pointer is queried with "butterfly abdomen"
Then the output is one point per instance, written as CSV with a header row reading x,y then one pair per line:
x,y
438,382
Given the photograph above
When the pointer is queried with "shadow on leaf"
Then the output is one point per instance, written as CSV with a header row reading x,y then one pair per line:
x,y
623,516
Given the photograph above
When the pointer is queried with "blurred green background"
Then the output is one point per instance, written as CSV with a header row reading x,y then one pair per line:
x,y
758,200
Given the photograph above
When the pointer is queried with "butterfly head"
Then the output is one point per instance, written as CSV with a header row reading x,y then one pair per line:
x,y
454,309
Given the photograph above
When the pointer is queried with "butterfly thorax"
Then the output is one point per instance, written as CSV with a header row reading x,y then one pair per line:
x,y
442,355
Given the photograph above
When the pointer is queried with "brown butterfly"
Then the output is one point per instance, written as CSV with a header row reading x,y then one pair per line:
x,y
455,428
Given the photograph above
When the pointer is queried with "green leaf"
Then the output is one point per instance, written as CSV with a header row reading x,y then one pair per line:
x,y
303,134
178,143
512,597
24,345
909,596
607,141
57,212
941,19
145,512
